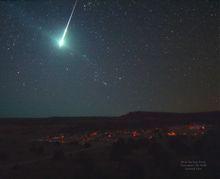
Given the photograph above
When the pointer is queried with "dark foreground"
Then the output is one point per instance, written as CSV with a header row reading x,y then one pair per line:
x,y
135,146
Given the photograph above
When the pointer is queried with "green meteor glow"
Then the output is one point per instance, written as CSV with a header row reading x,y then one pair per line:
x,y
61,42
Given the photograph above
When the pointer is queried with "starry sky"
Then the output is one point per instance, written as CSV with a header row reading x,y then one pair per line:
x,y
119,56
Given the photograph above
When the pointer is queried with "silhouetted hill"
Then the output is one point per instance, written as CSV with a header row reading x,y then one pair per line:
x,y
137,119
163,118
149,115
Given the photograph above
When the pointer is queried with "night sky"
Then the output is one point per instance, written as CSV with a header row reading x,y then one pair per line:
x,y
119,56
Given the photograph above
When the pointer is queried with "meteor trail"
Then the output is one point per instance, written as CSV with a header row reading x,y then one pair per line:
x,y
61,41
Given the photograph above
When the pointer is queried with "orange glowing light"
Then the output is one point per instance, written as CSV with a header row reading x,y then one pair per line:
x,y
134,134
62,139
93,134
171,133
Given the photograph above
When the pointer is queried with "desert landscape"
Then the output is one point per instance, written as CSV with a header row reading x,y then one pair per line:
x,y
136,145
109,89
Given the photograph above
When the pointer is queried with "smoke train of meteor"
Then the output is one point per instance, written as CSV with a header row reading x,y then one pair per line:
x,y
61,41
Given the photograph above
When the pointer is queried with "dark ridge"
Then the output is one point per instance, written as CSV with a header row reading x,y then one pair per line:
x,y
147,115
130,115
152,119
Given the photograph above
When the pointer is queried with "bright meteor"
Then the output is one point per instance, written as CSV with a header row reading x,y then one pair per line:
x,y
61,41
